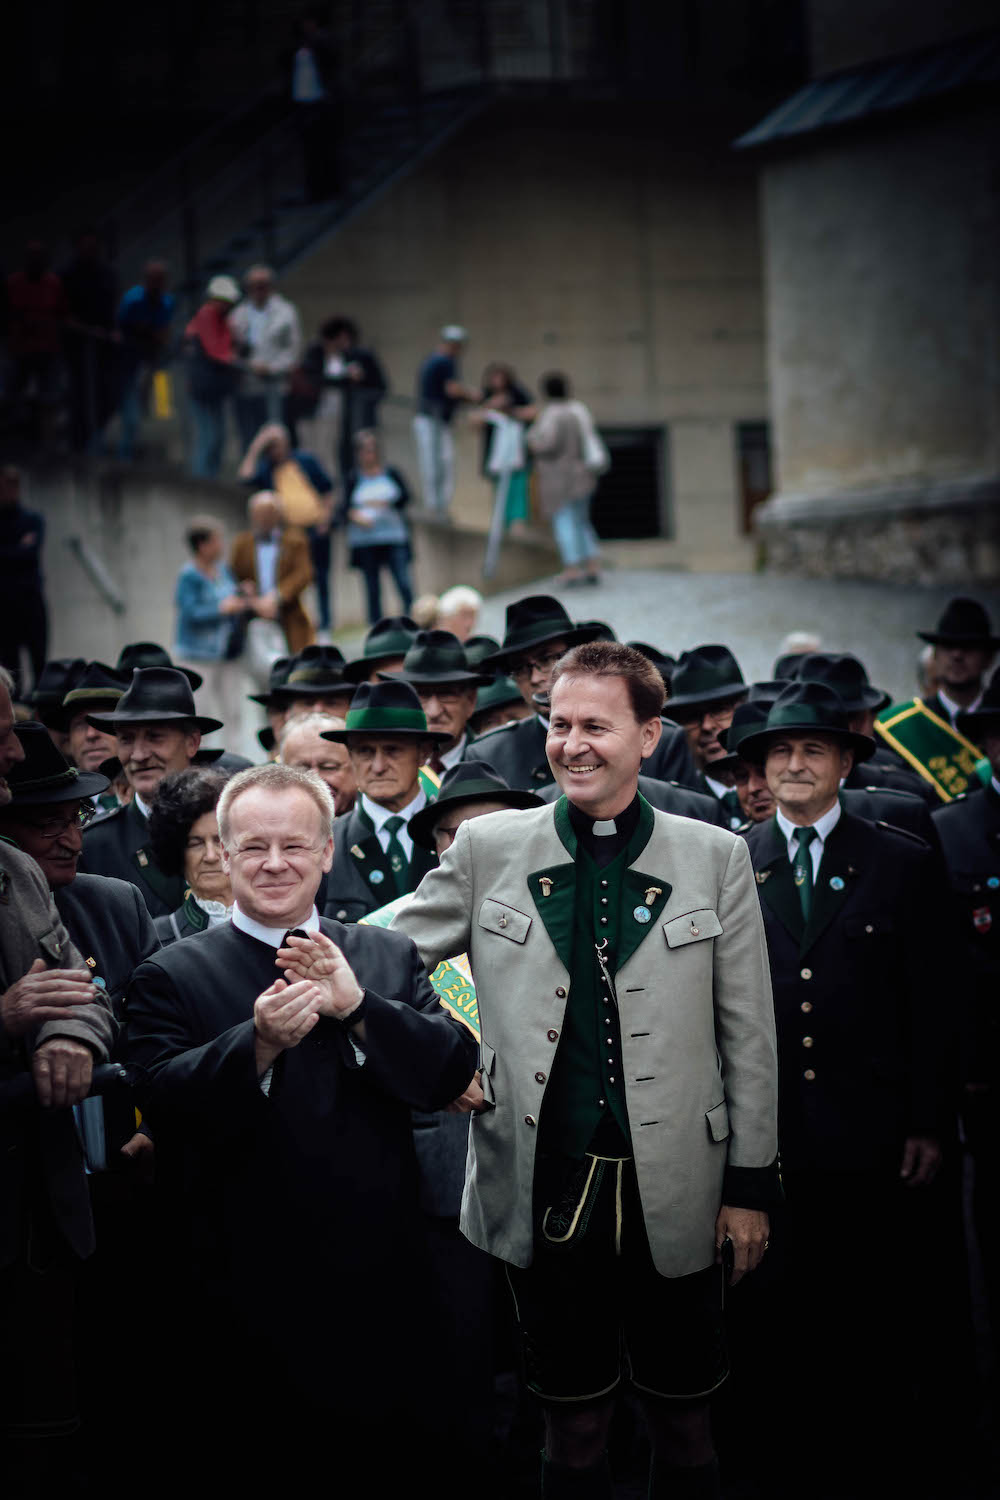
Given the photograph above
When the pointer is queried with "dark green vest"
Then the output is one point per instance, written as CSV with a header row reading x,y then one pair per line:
x,y
584,1107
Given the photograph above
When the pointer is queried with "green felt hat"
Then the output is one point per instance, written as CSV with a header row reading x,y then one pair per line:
x,y
436,658
99,687
748,718
317,669
478,647
496,693
802,708
391,709
387,639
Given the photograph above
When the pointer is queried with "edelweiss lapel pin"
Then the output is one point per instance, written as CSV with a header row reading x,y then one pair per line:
x,y
652,893
546,885
763,875
357,851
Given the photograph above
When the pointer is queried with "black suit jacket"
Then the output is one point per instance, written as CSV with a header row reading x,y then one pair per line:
x,y
360,880
879,775
109,923
118,845
517,751
857,996
317,1178
969,829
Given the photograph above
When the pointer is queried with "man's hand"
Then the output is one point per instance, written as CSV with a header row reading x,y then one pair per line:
x,y
473,1101
321,962
62,1070
43,994
266,606
139,1152
748,1229
282,1016
921,1160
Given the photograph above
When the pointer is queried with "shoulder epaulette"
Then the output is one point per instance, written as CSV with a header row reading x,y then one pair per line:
x,y
891,791
903,833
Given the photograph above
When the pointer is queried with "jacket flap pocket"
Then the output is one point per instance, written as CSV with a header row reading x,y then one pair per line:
x,y
718,1121
53,945
692,927
487,1057
505,921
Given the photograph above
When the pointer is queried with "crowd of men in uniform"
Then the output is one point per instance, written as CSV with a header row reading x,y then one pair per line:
x,y
236,1115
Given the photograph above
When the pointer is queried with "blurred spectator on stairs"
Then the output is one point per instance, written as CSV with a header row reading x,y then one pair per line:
x,y
268,338
90,338
37,310
145,314
213,373
313,69
335,393
306,490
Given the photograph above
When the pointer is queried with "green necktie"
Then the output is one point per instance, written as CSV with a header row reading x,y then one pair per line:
x,y
803,867
397,859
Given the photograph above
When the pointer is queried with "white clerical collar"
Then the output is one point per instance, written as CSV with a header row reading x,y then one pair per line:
x,y
379,814
603,828
142,806
954,709
274,937
823,825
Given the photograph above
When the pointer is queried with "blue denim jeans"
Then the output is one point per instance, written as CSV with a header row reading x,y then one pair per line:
x,y
575,537
371,560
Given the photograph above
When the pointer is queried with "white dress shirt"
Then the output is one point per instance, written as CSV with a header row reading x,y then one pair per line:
x,y
275,937
953,709
823,826
266,556
142,806
452,757
381,815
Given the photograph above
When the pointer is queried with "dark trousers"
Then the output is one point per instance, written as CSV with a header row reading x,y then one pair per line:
x,y
371,560
23,622
319,553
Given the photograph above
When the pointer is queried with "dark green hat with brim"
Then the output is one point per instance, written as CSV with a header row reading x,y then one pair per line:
x,y
748,719
532,622
963,623
498,692
149,654
705,675
280,668
848,678
54,682
315,671
387,639
478,647
469,781
45,776
156,695
436,659
974,720
389,709
805,708
99,687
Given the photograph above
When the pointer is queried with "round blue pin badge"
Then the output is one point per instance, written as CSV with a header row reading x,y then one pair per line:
x,y
376,877
836,883
642,914
993,882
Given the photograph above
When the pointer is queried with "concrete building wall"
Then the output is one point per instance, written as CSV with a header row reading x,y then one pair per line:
x,y
585,238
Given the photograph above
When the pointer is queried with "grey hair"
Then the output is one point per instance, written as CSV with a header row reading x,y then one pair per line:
x,y
274,777
798,642
461,596
316,722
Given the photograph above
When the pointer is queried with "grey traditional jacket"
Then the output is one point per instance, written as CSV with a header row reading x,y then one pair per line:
x,y
694,996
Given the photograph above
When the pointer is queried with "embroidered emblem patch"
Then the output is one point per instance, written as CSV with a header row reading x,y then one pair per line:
x,y
800,877
763,875
642,914
397,863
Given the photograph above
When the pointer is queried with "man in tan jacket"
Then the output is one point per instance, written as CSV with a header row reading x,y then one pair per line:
x,y
271,564
623,1153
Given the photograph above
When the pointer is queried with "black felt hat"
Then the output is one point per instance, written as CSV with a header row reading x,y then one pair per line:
x,y
848,678
974,720
803,708
705,675
315,671
46,776
387,639
532,622
748,718
767,691
436,658
469,781
98,687
389,709
155,695
789,666
963,623
280,668
54,682
149,654
664,663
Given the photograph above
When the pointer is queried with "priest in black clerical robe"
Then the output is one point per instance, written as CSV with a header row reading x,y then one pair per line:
x,y
289,1182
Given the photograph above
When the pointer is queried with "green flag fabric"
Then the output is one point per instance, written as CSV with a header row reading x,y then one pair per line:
x,y
452,979
936,752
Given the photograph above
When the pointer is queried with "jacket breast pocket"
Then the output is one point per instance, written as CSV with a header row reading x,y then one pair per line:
x,y
692,927
505,921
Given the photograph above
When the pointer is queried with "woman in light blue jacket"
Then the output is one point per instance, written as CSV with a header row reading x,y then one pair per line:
x,y
211,625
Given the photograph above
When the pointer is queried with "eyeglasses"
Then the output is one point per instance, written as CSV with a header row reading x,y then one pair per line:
x,y
50,829
521,670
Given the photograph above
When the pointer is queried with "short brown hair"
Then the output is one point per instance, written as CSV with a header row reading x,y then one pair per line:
x,y
612,659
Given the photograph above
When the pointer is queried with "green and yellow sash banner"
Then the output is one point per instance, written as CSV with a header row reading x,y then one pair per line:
x,y
452,979
936,752
430,781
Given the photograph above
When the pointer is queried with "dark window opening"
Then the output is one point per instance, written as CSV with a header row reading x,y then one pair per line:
x,y
753,464
631,498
